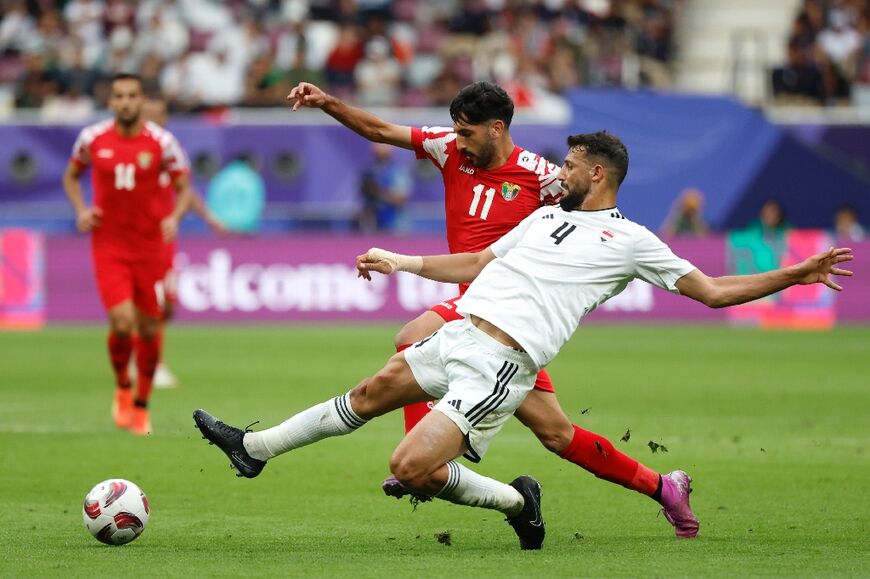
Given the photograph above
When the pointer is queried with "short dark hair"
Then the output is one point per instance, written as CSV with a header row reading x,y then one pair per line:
x,y
605,147
480,102
126,76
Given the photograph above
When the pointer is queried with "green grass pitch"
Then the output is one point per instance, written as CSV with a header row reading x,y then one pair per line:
x,y
773,426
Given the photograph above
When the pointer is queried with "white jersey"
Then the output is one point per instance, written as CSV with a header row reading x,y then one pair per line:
x,y
556,266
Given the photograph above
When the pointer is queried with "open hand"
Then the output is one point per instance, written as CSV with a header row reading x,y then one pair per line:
x,y
819,268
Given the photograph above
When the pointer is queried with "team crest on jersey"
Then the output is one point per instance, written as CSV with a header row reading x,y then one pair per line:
x,y
144,159
509,191
606,235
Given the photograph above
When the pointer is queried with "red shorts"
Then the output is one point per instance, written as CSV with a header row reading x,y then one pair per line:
x,y
447,311
128,278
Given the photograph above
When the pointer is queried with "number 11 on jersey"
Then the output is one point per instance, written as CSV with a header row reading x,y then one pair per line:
x,y
489,194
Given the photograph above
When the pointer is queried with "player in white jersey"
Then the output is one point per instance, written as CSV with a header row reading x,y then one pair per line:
x,y
530,290
490,185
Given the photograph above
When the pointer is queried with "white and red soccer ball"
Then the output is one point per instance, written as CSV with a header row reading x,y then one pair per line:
x,y
116,511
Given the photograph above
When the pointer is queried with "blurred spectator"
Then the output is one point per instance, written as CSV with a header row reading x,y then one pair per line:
x,y
846,225
385,188
264,83
377,75
205,53
71,105
16,29
299,71
828,51
839,45
342,60
799,79
686,217
771,222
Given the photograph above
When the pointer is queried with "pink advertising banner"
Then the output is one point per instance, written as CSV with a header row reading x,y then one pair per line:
x,y
312,278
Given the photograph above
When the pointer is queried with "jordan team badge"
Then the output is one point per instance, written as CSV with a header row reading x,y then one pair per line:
x,y
509,191
144,159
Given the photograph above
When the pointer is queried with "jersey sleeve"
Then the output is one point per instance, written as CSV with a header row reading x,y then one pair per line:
x,y
81,152
551,188
173,159
431,143
655,263
510,239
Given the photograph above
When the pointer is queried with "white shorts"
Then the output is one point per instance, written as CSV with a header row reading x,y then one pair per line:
x,y
480,381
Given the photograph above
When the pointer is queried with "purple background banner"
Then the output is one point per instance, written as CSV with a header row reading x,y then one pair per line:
x,y
313,279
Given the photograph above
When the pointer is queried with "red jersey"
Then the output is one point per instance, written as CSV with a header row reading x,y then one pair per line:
x,y
125,173
481,205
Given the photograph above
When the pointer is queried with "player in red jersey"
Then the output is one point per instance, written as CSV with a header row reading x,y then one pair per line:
x,y
155,110
490,185
129,230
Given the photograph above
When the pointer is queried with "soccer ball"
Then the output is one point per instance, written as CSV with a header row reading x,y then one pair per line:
x,y
116,511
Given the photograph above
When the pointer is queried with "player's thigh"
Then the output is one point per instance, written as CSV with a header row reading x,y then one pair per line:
x,y
147,287
427,322
114,277
392,387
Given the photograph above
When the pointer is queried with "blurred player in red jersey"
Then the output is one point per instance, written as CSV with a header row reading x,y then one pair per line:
x,y
129,229
490,185
155,110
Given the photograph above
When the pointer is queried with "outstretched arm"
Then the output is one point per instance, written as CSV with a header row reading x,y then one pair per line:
x,y
359,121
452,268
720,292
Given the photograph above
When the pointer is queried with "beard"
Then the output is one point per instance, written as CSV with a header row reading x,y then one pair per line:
x,y
482,158
127,120
573,199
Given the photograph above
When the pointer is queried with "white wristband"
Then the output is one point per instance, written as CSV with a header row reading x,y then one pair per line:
x,y
397,261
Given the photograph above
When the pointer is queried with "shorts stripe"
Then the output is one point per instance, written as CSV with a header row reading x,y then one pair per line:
x,y
499,394
347,415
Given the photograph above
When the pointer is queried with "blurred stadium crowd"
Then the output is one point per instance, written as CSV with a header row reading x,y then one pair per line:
x,y
828,53
202,54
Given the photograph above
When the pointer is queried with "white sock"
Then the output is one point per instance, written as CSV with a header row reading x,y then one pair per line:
x,y
331,418
466,487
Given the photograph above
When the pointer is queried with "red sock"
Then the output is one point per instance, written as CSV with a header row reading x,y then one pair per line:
x,y
120,350
414,413
147,355
598,455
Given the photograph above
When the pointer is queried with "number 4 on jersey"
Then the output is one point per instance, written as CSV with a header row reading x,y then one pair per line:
x,y
562,232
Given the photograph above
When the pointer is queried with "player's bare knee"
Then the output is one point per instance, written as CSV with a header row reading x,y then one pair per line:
x,y
123,326
408,471
148,332
555,440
